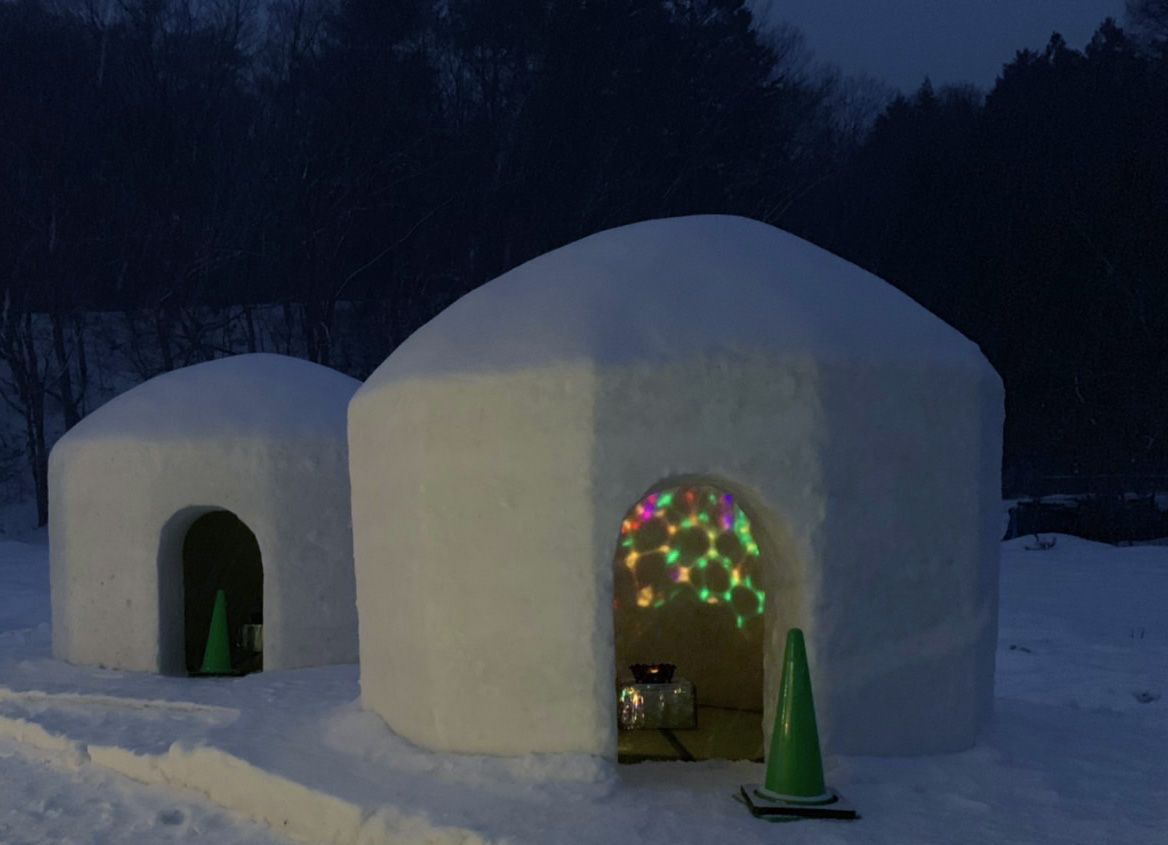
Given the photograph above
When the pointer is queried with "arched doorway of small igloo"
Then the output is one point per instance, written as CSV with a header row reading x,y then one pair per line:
x,y
688,593
219,552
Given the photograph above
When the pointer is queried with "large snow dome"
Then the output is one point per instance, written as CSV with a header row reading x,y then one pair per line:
x,y
671,442
233,475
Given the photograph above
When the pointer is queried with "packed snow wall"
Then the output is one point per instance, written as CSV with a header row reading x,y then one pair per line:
x,y
261,437
495,454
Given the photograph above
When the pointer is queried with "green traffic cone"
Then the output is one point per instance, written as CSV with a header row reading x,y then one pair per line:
x,y
217,655
794,767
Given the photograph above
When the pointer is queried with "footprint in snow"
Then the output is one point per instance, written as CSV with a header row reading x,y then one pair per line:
x,y
173,816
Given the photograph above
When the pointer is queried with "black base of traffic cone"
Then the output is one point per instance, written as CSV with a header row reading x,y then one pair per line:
x,y
761,804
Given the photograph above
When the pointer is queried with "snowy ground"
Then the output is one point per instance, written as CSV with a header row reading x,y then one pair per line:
x,y
48,797
42,803
1078,753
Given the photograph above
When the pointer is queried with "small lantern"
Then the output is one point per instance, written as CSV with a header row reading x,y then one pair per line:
x,y
653,673
656,700
251,638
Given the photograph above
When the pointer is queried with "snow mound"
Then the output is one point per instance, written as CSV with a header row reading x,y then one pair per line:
x,y
259,394
668,289
497,452
261,437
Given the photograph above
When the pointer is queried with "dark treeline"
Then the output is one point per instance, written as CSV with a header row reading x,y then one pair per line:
x,y
163,159
1035,220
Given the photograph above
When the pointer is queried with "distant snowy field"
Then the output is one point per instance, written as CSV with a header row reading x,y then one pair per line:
x,y
1078,753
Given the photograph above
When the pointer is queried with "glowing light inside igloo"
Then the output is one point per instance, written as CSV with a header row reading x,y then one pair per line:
x,y
691,542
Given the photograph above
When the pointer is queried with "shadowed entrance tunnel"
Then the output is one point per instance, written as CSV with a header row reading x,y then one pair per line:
x,y
221,553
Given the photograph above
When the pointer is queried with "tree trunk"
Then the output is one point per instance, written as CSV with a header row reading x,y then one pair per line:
x,y
164,328
249,323
20,351
69,404
82,362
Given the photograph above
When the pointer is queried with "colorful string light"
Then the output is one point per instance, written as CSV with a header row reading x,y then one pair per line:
x,y
692,541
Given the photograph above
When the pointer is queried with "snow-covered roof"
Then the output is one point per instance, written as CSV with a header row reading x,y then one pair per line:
x,y
685,287
242,396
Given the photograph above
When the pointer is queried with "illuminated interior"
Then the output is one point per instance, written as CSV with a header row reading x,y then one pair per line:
x,y
692,541
688,591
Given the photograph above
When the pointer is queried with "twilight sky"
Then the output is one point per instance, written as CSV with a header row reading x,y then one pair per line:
x,y
902,41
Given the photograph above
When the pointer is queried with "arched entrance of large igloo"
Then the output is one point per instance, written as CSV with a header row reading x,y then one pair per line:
x,y
219,552
687,593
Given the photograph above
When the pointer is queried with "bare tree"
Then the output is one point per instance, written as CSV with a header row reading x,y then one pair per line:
x,y
1149,18
30,372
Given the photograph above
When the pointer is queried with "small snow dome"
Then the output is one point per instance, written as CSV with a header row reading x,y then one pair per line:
x,y
230,475
667,444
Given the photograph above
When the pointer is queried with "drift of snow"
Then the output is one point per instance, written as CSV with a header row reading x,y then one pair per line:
x,y
43,802
47,796
1075,754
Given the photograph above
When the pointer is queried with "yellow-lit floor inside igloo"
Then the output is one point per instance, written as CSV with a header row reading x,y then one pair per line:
x,y
721,733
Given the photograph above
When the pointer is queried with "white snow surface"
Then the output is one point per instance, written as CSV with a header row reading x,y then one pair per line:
x,y
47,802
1075,753
680,287
49,793
253,395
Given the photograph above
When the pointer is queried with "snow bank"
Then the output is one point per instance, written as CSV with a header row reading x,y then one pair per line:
x,y
234,784
1074,754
